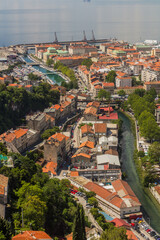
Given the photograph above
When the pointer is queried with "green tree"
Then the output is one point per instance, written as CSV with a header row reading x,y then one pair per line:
x,y
90,194
5,228
2,237
108,96
3,149
143,116
140,92
82,218
49,132
114,233
121,92
134,81
111,76
49,62
87,62
150,130
34,210
93,201
33,77
154,152
79,224
102,94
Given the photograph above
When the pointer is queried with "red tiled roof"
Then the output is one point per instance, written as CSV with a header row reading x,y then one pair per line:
x,y
86,129
112,116
120,223
102,192
105,84
100,127
120,185
107,109
81,154
58,136
50,167
32,235
93,104
74,174
131,235
88,144
91,110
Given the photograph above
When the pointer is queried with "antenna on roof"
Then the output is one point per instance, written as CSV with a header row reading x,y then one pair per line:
x,y
56,39
84,36
93,37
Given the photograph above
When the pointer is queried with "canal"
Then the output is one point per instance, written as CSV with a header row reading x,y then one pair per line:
x,y
55,78
151,211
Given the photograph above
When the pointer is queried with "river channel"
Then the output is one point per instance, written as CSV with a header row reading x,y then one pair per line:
x,y
150,210
55,78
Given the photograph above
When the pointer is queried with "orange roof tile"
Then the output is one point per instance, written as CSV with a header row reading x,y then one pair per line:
x,y
120,223
20,132
93,104
81,154
56,106
100,127
58,136
71,96
50,167
86,129
32,235
74,174
120,185
105,84
91,110
88,144
131,235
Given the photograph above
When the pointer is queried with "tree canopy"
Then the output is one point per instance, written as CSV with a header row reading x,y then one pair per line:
x,y
69,73
87,62
49,132
114,233
17,102
111,76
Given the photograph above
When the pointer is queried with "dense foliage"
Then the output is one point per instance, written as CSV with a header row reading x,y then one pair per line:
x,y
17,102
5,230
87,62
46,203
114,233
49,132
69,73
79,232
111,76
33,77
101,219
103,94
143,106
